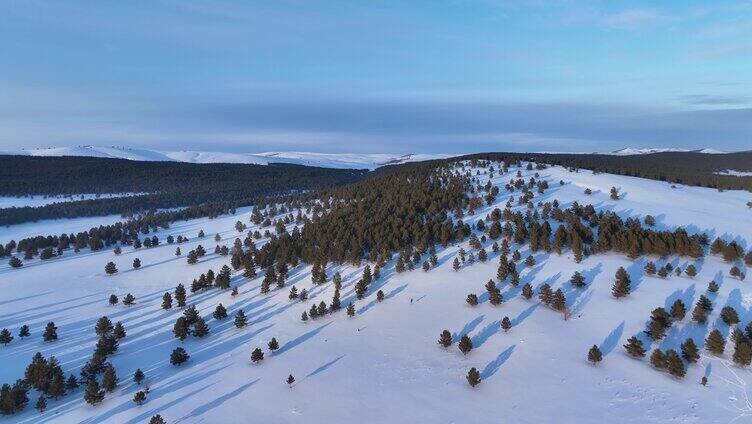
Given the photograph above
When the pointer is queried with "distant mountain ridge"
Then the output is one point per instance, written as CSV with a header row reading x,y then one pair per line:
x,y
644,151
325,160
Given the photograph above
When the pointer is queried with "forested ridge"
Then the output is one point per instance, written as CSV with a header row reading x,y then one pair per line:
x,y
169,184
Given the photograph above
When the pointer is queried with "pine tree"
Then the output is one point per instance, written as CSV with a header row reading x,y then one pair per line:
x,y
119,330
577,280
93,395
138,376
303,295
5,336
650,268
41,404
110,268
240,319
743,353
674,364
220,312
351,310
678,310
139,398
445,339
559,301
137,263
621,287
178,252
178,356
634,347
304,316
157,419
380,296
180,329
180,295
456,264
293,293
129,300
71,384
465,345
715,343
691,271
544,294
290,380
257,355
473,377
14,262
506,324
273,344
472,299
595,355
200,329
24,331
527,291
109,379
729,315
166,301
50,332
57,386
113,300
103,326
689,351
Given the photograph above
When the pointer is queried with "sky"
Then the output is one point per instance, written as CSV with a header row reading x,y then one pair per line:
x,y
372,76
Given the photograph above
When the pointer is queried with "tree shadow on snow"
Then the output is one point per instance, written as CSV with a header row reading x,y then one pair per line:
x,y
612,339
494,365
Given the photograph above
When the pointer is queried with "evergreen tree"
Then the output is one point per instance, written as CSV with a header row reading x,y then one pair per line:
x,y
674,364
445,339
119,330
166,301
678,310
113,300
729,315
743,353
137,263
473,377
41,404
180,329
527,291
472,299
635,347
110,268
304,316
689,351
465,345
71,384
129,300
351,310
240,319
109,379
180,295
303,295
380,296
57,385
5,336
691,271
506,324
50,332
93,395
577,280
157,419
559,301
715,343
14,262
273,344
257,355
621,287
178,356
545,294
456,264
650,268
24,331
139,398
293,293
103,326
290,380
200,329
595,355
220,312
138,376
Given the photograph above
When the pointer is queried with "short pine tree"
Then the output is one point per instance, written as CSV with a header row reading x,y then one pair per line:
x,y
179,356
257,355
595,355
715,343
465,345
473,377
634,347
506,324
689,351
445,339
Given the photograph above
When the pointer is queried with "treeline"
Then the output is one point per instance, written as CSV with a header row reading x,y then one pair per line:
x,y
171,184
690,168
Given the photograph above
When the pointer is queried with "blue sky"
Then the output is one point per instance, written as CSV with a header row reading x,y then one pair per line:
x,y
376,76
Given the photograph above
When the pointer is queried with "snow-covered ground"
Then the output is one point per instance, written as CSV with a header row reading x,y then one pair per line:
x,y
384,364
34,201
327,160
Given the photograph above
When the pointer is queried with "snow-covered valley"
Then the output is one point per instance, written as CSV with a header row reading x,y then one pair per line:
x,y
384,363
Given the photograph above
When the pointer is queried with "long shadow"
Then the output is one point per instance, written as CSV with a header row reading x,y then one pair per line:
x,y
220,400
494,365
686,296
519,319
612,339
636,273
486,333
591,273
324,367
301,339
470,326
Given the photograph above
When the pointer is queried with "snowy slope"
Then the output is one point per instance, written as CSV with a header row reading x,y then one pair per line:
x,y
635,151
327,160
384,364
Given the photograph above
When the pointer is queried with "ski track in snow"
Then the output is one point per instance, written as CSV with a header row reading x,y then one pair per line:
x,y
385,365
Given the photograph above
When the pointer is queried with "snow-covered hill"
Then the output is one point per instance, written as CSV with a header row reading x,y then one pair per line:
x,y
327,160
635,151
384,364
